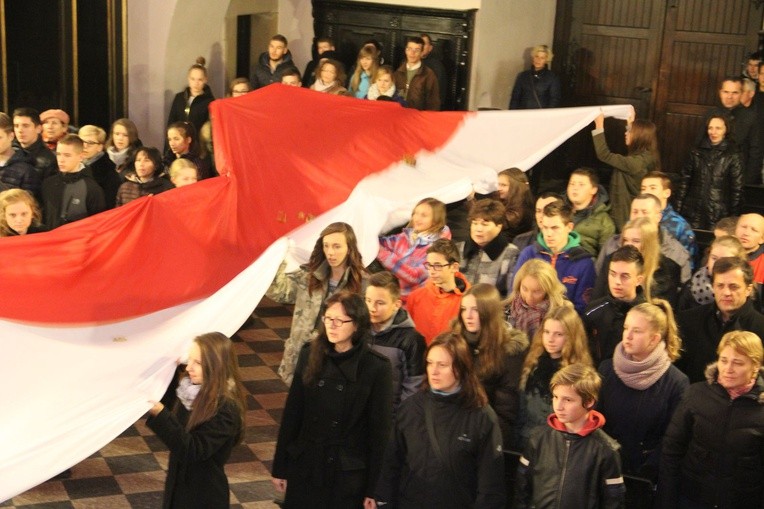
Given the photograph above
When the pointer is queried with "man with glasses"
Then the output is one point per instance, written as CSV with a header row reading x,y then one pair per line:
x,y
434,305
416,82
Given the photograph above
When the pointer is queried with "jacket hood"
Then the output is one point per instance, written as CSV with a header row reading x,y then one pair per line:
x,y
594,421
518,341
757,392
402,320
574,240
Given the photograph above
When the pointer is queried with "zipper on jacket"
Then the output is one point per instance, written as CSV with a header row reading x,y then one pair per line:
x,y
564,470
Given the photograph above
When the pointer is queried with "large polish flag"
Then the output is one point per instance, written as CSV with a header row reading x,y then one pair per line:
x,y
95,315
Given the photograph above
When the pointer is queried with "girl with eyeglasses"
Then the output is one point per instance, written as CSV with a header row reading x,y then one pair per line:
x,y
337,417
335,264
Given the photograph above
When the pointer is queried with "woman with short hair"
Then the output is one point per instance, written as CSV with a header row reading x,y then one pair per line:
x,y
713,450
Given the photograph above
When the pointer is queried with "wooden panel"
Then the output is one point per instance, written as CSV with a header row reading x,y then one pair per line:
x,y
729,17
623,13
700,63
684,129
620,66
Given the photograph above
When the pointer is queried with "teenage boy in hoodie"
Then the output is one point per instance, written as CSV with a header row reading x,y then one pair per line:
x,y
394,336
571,463
560,246
434,305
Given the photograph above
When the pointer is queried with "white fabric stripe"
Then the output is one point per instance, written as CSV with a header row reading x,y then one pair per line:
x,y
524,461
617,480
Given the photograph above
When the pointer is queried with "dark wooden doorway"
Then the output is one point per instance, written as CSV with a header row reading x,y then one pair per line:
x,y
67,54
665,57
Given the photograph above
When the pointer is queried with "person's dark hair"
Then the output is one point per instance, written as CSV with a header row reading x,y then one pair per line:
x,y
629,254
354,262
473,394
648,196
644,138
563,210
239,81
730,263
355,307
519,200
493,334
28,112
387,281
199,64
416,40
728,224
734,79
221,381
292,71
187,130
664,178
6,124
154,155
550,194
325,39
584,171
488,209
755,55
447,248
280,38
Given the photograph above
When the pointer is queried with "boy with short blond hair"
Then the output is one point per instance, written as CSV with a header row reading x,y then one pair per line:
x,y
571,463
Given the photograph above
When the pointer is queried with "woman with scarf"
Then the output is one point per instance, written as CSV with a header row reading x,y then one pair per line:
x,y
536,290
641,387
330,76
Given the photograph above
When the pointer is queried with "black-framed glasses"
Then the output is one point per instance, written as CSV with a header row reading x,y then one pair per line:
x,y
437,267
335,322
92,142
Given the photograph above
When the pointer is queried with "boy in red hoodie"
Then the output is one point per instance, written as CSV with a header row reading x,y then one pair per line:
x,y
571,463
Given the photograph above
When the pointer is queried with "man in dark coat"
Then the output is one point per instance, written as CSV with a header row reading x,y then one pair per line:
x,y
745,127
604,317
16,170
272,63
702,328
417,83
28,131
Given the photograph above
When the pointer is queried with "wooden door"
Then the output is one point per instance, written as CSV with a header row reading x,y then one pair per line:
x,y
703,41
665,57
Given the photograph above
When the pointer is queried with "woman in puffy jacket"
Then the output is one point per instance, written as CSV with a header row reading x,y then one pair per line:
x,y
711,183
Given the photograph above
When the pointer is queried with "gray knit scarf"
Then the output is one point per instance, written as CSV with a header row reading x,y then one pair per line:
x,y
641,375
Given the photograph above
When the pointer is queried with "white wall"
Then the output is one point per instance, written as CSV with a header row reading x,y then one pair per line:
x,y
164,39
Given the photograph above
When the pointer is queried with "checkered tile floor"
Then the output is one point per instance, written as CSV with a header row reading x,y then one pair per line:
x,y
130,471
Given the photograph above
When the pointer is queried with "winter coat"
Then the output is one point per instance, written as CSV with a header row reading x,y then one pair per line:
x,y
574,266
432,309
105,174
711,185
666,280
404,256
490,263
626,179
43,160
404,348
670,248
535,90
603,321
503,388
423,92
292,288
132,188
702,328
570,470
637,419
197,114
19,172
523,240
69,197
196,477
334,430
413,476
746,128
676,225
713,450
593,224
263,75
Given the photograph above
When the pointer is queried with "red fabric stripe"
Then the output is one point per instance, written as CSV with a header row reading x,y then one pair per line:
x,y
287,154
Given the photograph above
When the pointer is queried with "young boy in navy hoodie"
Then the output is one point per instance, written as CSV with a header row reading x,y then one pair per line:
x,y
571,463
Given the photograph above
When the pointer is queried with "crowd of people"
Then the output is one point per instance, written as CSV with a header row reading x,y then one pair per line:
x,y
584,331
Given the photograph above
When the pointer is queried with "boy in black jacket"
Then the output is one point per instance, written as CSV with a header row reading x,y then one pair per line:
x,y
571,463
